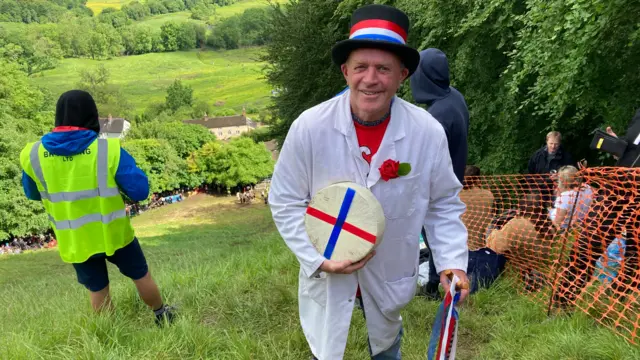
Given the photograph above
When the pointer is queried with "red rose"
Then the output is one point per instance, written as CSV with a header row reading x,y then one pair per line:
x,y
389,169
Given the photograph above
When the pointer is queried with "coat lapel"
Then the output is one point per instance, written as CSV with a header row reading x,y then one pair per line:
x,y
395,131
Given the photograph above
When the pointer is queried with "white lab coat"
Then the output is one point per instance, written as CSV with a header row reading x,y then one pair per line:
x,y
322,148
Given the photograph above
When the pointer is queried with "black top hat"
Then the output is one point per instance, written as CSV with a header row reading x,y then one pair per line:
x,y
379,27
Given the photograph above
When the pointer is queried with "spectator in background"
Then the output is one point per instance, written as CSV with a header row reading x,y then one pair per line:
x,y
551,157
430,86
570,187
546,161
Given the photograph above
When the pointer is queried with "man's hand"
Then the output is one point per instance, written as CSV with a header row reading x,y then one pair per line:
x,y
610,132
346,266
446,284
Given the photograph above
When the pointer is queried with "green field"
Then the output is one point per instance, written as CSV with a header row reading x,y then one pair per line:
x,y
235,283
98,6
232,77
240,7
157,21
221,13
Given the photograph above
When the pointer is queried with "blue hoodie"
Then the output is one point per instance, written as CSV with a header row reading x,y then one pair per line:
x,y
430,86
130,179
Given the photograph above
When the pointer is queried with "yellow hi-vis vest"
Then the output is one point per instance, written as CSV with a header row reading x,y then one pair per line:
x,y
81,197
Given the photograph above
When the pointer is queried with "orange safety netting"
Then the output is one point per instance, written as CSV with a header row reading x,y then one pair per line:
x,y
571,237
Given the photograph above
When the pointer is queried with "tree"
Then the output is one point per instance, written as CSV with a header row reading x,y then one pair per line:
x,y
162,165
184,138
34,54
23,118
239,162
302,33
178,95
187,36
169,33
108,97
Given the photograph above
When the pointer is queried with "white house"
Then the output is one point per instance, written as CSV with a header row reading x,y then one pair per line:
x,y
113,127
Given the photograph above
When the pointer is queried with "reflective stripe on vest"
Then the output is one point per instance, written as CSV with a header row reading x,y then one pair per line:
x,y
84,220
103,171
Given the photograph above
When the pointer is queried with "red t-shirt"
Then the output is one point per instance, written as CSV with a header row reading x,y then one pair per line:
x,y
369,139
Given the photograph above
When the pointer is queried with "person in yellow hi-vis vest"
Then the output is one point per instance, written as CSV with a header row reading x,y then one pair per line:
x,y
79,177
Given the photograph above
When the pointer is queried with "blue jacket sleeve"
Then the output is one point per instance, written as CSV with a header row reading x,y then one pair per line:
x,y
130,179
30,187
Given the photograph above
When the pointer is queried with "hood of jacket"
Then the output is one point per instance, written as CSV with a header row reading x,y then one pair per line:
x,y
76,108
67,143
431,82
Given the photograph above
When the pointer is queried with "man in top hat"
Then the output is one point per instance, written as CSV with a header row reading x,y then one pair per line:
x,y
354,137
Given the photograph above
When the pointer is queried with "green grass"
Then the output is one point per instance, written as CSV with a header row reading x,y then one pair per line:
x,y
156,21
233,77
240,7
98,6
235,282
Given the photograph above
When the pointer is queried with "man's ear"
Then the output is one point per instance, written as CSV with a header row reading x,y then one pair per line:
x,y
405,73
345,70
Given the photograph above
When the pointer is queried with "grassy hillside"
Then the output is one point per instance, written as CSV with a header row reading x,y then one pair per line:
x,y
221,13
240,7
235,283
158,20
99,5
233,77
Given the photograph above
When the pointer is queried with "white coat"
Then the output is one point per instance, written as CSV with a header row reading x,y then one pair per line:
x,y
322,148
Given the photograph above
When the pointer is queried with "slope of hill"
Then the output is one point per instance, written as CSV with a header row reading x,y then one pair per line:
x,y
232,79
221,13
99,5
236,286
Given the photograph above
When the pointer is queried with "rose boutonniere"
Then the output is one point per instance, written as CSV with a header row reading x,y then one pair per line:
x,y
391,169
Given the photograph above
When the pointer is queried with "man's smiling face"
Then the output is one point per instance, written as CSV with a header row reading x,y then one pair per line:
x,y
374,77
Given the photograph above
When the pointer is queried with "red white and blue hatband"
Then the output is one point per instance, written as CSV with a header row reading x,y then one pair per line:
x,y
380,27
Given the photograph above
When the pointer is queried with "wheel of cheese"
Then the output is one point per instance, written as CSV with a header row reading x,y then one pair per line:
x,y
345,221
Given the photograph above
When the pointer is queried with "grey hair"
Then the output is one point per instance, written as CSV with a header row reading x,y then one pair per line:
x,y
554,134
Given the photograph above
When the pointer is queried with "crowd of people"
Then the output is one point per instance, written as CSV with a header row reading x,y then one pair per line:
x,y
20,244
159,200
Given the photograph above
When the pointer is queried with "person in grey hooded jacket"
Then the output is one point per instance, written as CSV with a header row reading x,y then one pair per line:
x,y
430,86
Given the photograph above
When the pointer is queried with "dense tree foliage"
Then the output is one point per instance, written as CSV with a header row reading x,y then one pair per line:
x,y
246,29
184,138
240,161
23,118
525,67
40,11
115,33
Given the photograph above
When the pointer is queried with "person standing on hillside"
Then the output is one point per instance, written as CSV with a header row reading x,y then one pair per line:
x,y
430,86
354,137
78,178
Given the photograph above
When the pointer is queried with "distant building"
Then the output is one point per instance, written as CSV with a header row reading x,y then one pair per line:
x,y
113,127
225,127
